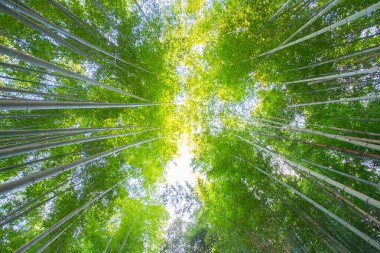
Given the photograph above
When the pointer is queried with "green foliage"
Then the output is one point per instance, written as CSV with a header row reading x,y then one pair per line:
x,y
199,58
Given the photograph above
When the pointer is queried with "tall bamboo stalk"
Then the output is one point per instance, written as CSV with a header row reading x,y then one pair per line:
x,y
62,130
326,135
10,152
274,16
311,21
38,176
109,242
330,127
344,21
21,10
317,165
51,240
326,179
30,70
22,116
341,100
48,231
335,76
38,83
39,141
364,215
32,14
324,210
15,14
47,65
334,171
99,6
346,56
33,200
42,94
335,148
73,17
124,241
6,104
17,215
13,166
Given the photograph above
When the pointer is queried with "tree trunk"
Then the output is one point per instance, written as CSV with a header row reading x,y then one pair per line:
x,y
76,20
39,141
320,166
41,63
341,100
10,152
41,160
103,12
109,242
326,135
7,104
48,231
15,14
330,127
16,215
369,219
324,210
23,116
42,94
32,201
356,53
311,21
51,240
274,16
338,185
335,76
57,38
38,176
62,130
326,29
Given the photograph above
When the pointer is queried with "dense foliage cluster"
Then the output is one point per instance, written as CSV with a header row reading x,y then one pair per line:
x,y
279,101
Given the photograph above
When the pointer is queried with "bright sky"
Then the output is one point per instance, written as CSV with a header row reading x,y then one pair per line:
x,y
179,168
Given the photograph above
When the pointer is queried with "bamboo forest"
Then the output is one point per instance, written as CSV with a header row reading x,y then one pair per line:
x,y
189,126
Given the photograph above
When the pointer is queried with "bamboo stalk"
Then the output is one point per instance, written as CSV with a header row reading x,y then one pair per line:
x,y
346,56
41,175
47,65
341,100
344,21
47,232
10,152
324,210
311,21
327,135
53,105
359,195
30,13
43,94
335,76
62,130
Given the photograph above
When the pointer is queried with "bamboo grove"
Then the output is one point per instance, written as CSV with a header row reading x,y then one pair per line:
x,y
279,101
